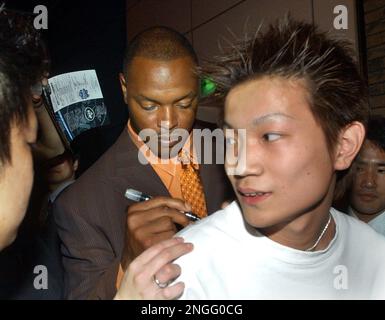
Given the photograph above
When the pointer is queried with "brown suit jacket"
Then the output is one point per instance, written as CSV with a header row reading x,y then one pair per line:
x,y
91,215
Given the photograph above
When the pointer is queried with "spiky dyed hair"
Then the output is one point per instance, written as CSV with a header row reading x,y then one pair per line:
x,y
298,50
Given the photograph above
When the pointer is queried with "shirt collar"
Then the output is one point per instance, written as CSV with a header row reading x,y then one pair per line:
x,y
53,195
185,156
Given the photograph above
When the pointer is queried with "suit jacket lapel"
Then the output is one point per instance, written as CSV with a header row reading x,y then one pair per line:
x,y
130,173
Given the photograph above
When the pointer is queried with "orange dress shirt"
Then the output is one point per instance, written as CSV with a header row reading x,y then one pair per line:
x,y
170,171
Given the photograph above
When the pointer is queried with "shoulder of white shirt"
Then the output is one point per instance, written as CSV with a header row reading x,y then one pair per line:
x,y
206,230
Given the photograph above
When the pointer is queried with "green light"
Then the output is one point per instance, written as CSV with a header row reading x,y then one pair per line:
x,y
207,87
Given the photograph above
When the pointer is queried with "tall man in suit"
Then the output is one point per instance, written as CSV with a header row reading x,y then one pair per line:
x,y
99,234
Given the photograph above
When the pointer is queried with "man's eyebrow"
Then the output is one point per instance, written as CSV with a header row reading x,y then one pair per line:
x,y
270,116
141,97
191,95
261,119
360,161
365,161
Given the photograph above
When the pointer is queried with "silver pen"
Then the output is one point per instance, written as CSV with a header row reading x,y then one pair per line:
x,y
138,196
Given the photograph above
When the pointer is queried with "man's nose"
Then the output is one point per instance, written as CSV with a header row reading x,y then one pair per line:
x,y
369,179
249,158
167,118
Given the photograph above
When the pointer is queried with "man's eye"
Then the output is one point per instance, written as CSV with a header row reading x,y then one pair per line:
x,y
381,170
184,106
149,107
271,137
359,169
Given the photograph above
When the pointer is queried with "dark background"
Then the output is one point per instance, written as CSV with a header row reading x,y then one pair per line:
x,y
86,35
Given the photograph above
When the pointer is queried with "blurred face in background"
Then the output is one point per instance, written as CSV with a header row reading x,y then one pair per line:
x,y
60,169
368,188
16,178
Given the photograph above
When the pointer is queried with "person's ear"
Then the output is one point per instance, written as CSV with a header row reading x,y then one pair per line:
x,y
31,126
349,144
76,165
123,86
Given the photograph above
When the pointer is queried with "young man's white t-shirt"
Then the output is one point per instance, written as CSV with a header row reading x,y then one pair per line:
x,y
232,261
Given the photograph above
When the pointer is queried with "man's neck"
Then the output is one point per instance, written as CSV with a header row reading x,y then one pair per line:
x,y
55,186
311,226
367,217
304,232
186,146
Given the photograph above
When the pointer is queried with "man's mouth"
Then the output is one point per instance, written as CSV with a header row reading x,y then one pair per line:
x,y
367,196
251,196
169,139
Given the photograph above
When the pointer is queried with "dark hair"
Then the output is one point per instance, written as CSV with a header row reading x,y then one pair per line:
x,y
158,43
20,67
291,49
376,131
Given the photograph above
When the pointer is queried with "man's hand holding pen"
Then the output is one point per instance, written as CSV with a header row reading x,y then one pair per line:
x,y
152,221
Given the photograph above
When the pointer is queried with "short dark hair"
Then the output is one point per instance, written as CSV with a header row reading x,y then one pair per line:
x,y
376,131
158,43
291,49
20,67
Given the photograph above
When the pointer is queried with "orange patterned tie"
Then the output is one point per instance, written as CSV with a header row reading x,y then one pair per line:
x,y
192,190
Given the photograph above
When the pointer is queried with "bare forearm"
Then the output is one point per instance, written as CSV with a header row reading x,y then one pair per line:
x,y
49,143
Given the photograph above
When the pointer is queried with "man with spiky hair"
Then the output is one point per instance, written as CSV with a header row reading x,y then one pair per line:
x,y
306,111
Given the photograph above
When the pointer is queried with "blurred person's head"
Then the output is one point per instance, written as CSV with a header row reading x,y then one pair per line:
x,y
19,70
302,102
160,85
18,127
60,170
367,194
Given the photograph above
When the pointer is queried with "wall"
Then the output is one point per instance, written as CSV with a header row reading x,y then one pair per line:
x,y
374,15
